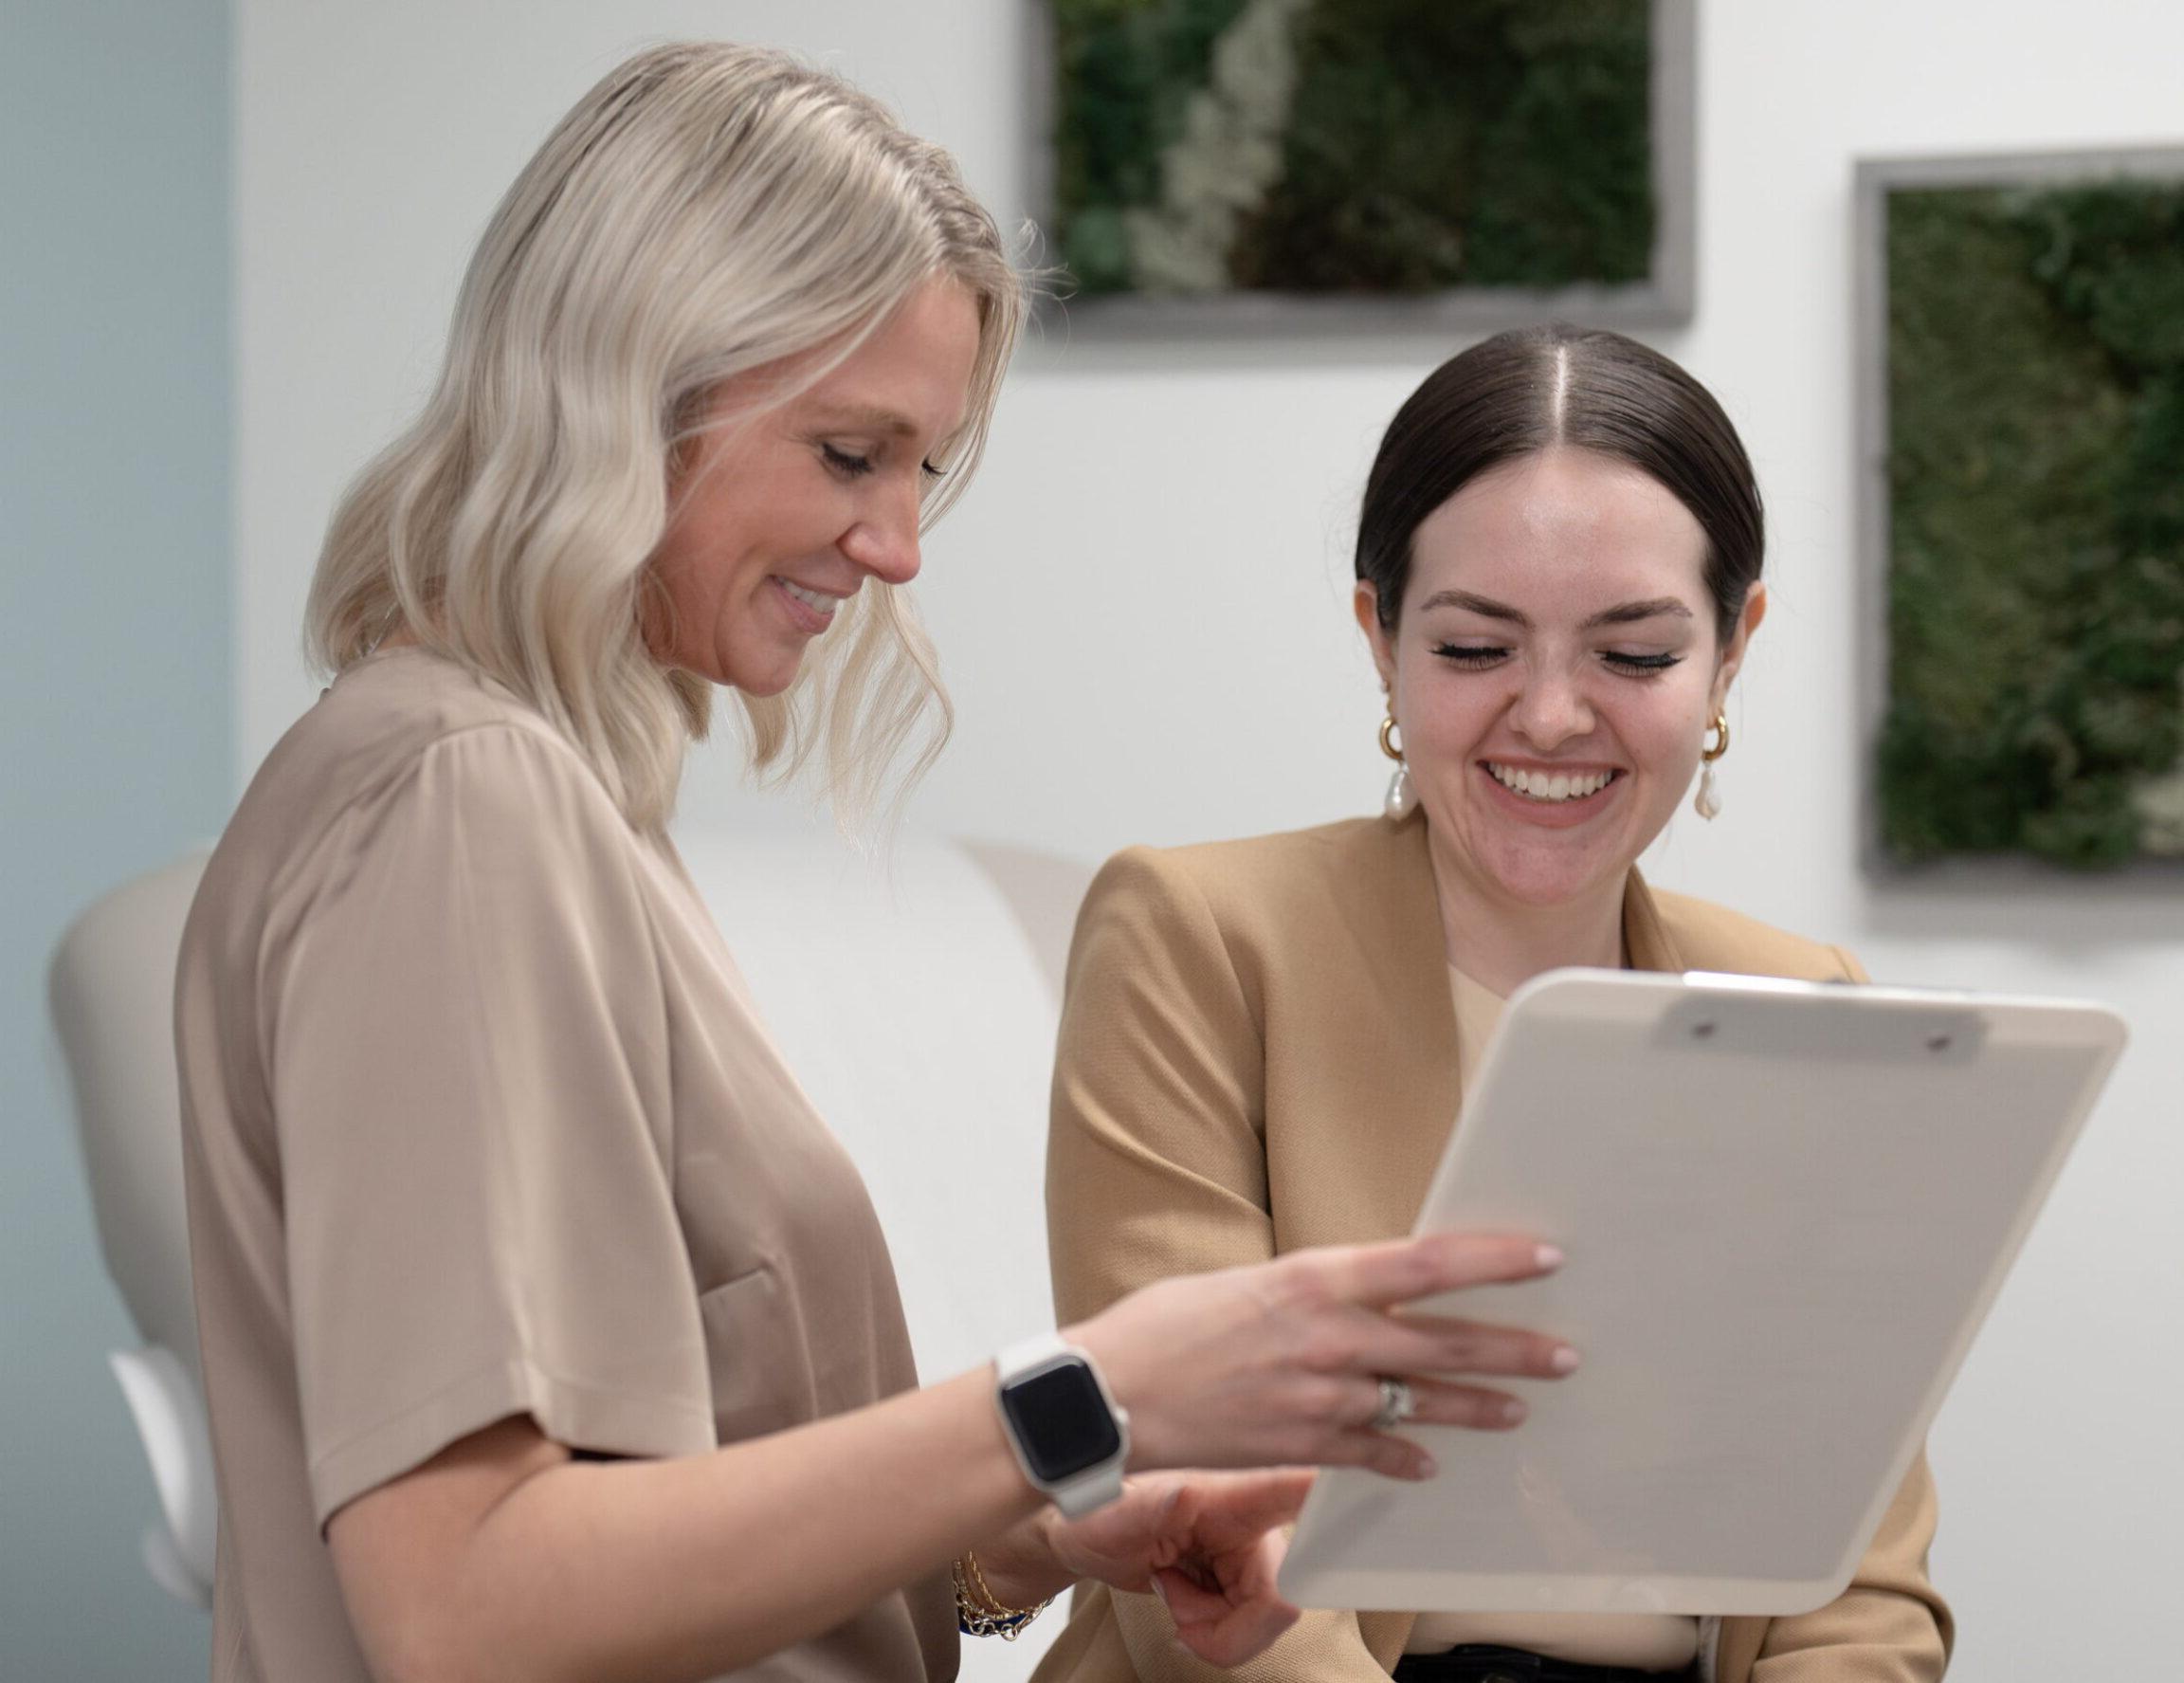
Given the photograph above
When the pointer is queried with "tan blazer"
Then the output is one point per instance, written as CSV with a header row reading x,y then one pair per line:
x,y
1257,1054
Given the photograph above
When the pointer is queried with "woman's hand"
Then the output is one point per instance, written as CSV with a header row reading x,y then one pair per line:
x,y
1280,1363
1208,1543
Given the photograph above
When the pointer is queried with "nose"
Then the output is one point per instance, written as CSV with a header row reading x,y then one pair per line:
x,y
1550,710
884,541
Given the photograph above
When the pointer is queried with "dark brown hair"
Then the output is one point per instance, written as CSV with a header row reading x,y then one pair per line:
x,y
1520,392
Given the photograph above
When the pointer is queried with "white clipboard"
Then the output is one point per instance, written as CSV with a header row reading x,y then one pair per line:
x,y
1787,1207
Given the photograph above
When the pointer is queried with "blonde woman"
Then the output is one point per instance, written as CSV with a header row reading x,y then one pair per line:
x,y
547,1333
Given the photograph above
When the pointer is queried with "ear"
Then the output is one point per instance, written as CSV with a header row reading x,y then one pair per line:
x,y
1365,602
1739,640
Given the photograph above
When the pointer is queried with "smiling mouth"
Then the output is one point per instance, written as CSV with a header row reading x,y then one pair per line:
x,y
1550,788
811,598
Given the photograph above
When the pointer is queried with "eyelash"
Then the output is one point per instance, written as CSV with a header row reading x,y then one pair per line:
x,y
1478,658
851,466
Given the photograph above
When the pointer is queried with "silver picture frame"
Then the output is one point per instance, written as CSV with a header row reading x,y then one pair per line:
x,y
1874,180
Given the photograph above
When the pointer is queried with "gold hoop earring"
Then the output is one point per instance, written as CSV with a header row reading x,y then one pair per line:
x,y
1707,802
1401,799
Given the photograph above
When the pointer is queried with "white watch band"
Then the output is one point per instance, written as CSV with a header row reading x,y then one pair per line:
x,y
1095,1486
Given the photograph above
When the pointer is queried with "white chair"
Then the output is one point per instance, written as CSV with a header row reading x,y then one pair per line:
x,y
914,995
112,1000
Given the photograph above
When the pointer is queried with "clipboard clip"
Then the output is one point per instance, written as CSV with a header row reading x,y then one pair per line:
x,y
1730,1016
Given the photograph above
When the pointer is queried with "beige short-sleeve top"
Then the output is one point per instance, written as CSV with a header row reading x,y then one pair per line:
x,y
479,1121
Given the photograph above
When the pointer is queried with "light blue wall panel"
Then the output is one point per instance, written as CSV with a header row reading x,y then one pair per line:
x,y
115,720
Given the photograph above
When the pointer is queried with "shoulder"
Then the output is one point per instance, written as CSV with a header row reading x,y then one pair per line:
x,y
1250,872
410,715
1711,936
1261,889
411,756
382,717
1287,896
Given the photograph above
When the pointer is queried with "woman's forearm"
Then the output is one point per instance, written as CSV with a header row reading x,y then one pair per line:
x,y
503,1557
659,1570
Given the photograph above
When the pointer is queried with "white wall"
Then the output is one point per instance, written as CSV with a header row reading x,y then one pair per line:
x,y
1142,605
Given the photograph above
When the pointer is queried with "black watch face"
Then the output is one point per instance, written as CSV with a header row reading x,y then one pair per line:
x,y
1062,1421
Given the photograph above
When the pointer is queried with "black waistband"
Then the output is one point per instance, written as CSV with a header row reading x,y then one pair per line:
x,y
1482,1662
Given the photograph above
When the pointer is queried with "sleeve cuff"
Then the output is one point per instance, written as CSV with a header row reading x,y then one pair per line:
x,y
575,1416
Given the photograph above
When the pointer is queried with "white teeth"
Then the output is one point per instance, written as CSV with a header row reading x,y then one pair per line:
x,y
1545,787
810,599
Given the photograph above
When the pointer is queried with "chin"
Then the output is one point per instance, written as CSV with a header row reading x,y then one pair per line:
x,y
1543,888
762,678
1527,873
765,688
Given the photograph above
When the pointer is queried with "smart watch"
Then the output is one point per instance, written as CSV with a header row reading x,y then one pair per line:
x,y
1068,1433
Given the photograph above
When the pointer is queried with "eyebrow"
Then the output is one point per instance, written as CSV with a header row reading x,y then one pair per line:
x,y
872,419
1622,613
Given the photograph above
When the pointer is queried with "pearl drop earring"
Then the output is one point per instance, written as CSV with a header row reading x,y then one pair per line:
x,y
1402,799
1707,803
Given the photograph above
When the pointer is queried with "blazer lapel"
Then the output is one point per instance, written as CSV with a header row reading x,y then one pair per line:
x,y
1413,1087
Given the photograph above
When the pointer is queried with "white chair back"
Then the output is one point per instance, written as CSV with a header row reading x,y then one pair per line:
x,y
112,989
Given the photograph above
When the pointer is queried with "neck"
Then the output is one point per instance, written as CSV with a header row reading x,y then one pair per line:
x,y
1502,944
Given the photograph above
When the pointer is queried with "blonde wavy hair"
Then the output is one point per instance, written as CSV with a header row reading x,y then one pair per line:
x,y
706,211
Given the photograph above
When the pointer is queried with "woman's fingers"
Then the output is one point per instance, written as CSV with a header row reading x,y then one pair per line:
x,y
1433,1403
1234,1507
1227,1608
1281,1362
1218,1633
1381,1277
1431,1344
1358,1441
1382,1453
1394,1455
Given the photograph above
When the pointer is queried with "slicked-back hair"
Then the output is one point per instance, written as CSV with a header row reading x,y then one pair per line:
x,y
1537,388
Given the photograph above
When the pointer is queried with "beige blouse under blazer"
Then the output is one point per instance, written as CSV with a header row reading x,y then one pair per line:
x,y
1257,1054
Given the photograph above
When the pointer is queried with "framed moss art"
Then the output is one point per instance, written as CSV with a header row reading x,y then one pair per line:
x,y
1241,165
2022,401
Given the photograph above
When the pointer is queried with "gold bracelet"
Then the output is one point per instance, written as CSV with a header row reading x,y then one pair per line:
x,y
981,1613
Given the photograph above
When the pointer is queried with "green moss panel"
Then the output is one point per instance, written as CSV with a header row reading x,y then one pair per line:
x,y
1429,144
2036,545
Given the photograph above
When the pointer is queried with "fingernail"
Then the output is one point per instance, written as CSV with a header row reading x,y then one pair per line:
x,y
1426,1466
1565,1360
1548,1256
1159,1590
1513,1410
